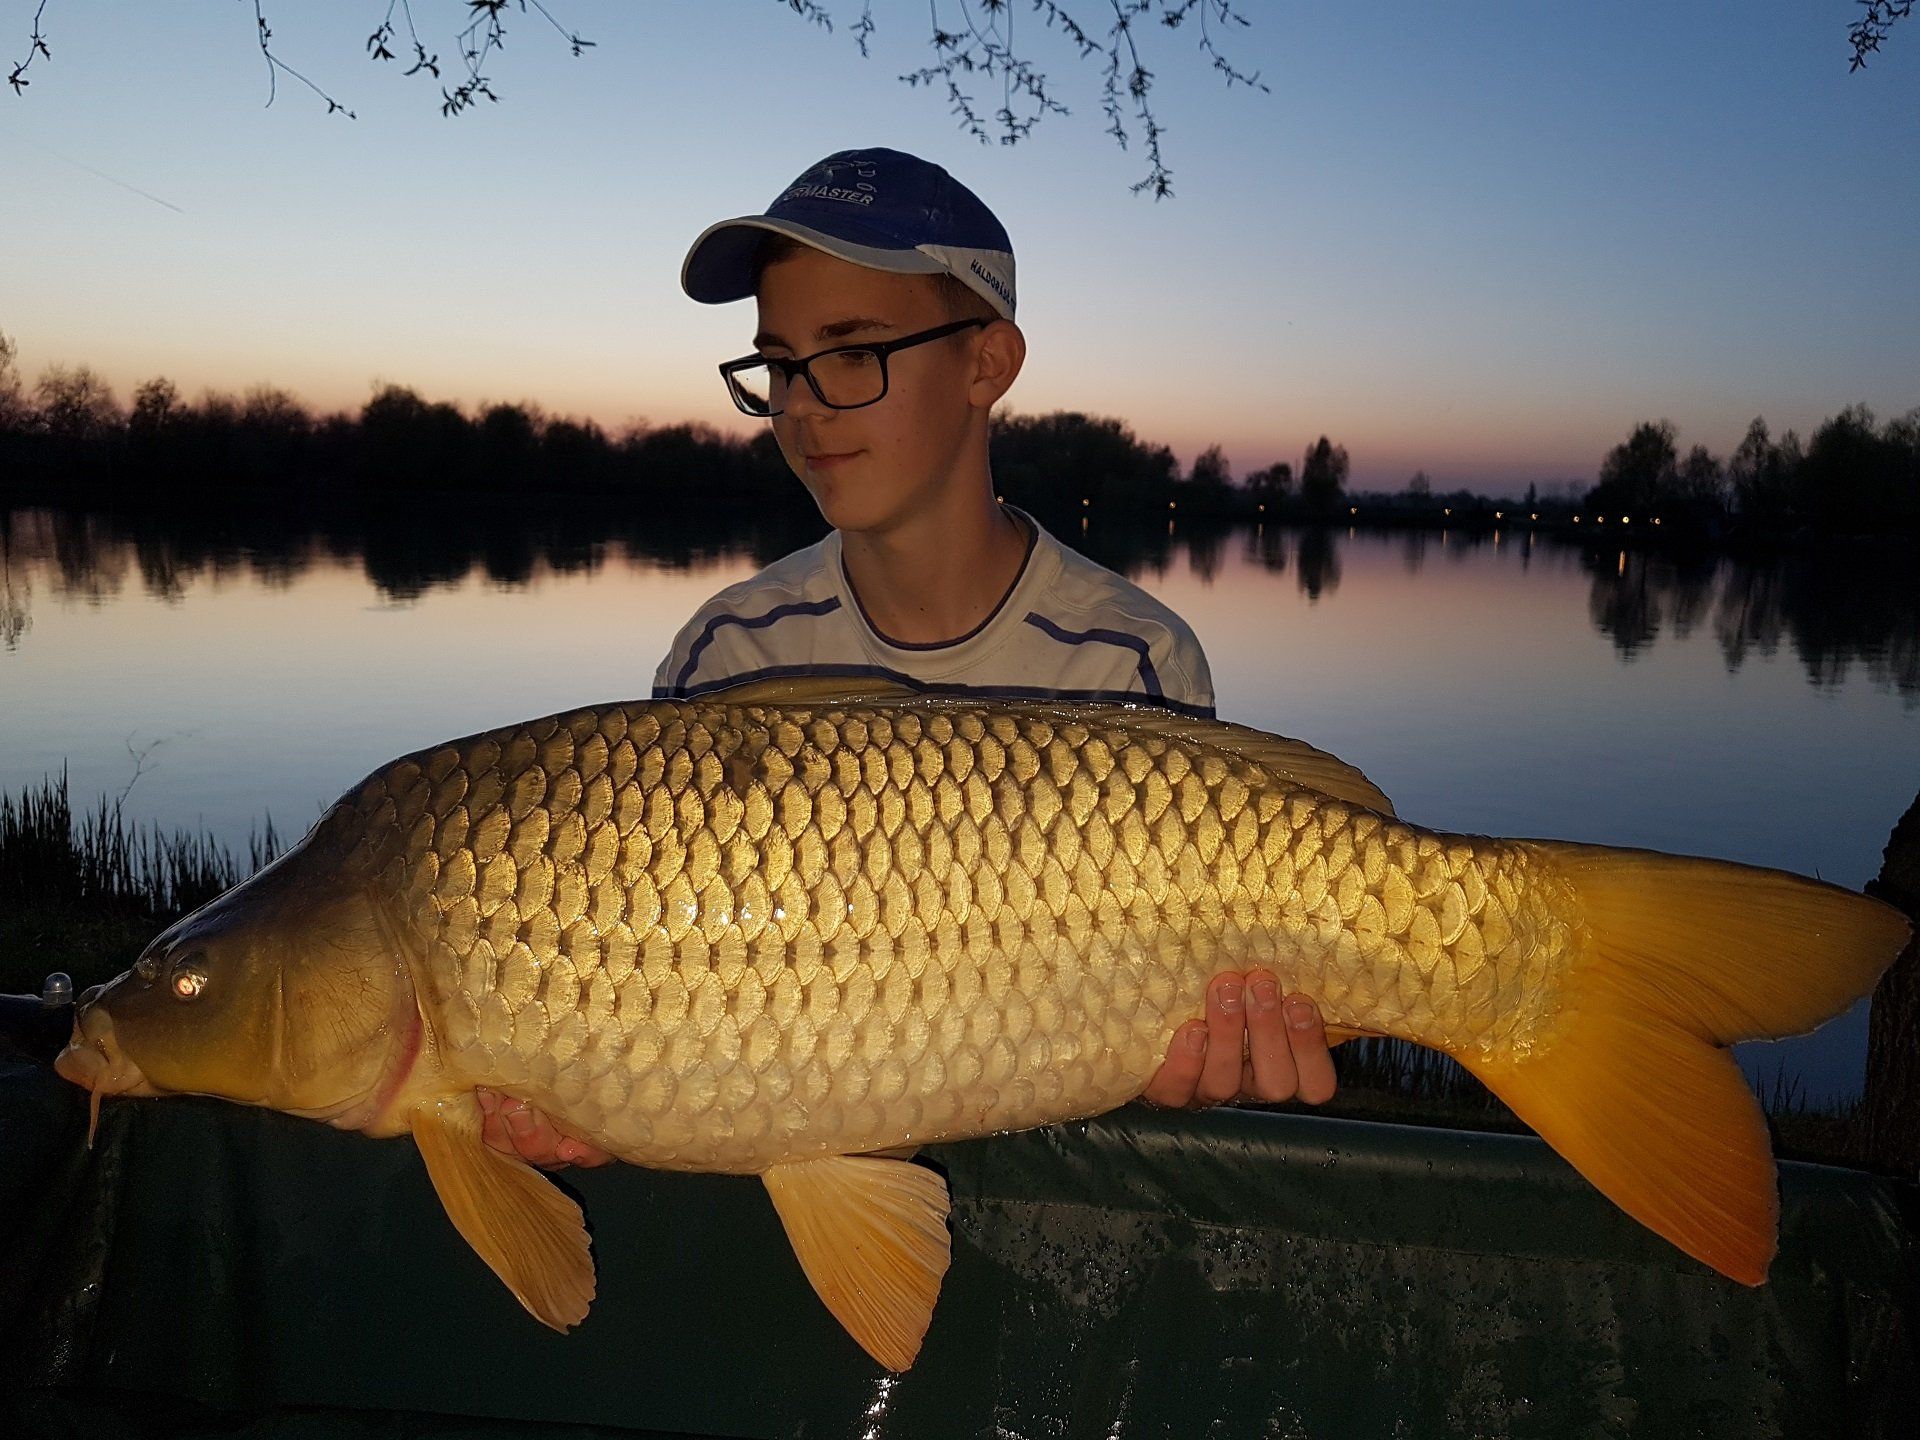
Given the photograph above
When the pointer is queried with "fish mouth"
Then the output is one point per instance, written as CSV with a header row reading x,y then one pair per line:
x,y
94,1061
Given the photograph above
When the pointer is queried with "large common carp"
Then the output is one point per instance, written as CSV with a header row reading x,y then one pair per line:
x,y
796,930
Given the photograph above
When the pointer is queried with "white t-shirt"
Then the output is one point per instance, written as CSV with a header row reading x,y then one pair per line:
x,y
1067,629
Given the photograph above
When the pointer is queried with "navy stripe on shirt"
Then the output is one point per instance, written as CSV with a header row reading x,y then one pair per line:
x,y
749,622
1149,679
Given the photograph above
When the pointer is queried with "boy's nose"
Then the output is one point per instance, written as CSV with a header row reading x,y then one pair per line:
x,y
800,399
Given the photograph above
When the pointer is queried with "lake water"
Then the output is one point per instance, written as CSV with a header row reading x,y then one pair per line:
x,y
1508,684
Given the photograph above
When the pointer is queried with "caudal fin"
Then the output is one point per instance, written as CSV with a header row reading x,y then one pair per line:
x,y
1635,1087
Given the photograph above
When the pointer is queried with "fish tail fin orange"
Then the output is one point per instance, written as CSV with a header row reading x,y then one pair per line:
x,y
1635,1086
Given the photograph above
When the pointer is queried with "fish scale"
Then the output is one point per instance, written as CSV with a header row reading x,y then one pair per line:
x,y
720,937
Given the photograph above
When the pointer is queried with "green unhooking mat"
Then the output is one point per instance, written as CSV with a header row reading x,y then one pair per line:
x,y
208,1269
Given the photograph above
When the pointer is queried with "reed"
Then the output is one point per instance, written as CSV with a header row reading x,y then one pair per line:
x,y
83,892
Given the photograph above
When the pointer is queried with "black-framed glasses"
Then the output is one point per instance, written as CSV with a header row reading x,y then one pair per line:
x,y
843,378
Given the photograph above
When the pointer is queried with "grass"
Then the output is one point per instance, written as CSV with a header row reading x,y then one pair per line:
x,y
85,893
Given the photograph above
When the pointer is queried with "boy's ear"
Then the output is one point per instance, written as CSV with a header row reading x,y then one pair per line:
x,y
1001,351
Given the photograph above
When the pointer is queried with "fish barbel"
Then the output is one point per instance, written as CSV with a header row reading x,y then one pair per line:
x,y
798,929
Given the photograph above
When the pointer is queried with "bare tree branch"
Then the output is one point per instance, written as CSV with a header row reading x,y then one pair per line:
x,y
1866,33
971,40
973,44
978,40
36,47
275,65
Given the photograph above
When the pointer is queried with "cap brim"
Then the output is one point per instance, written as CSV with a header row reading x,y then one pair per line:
x,y
719,266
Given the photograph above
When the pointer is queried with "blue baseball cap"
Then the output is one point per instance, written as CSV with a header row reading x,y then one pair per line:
x,y
883,209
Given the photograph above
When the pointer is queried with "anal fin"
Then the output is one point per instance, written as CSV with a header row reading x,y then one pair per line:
x,y
871,1235
529,1233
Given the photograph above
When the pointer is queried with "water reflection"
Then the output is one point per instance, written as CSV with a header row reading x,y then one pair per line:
x,y
15,595
1315,555
1267,546
90,556
1834,607
1635,595
1413,550
1318,562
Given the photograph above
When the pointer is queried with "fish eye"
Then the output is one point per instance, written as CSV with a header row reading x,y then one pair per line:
x,y
189,976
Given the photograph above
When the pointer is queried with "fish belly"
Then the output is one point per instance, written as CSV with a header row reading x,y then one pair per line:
x,y
719,937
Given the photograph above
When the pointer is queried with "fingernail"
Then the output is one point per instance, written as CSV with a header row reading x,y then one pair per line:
x,y
1230,997
520,1119
1300,1014
1197,1039
1266,994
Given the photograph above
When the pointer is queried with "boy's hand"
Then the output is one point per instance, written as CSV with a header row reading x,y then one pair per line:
x,y
514,1127
1255,1044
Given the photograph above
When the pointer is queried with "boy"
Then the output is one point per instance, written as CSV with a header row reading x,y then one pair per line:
x,y
885,291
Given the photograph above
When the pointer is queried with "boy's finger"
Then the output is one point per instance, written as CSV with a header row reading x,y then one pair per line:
x,y
1226,1040
524,1122
1172,1085
1269,1053
493,1129
533,1135
1311,1057
579,1152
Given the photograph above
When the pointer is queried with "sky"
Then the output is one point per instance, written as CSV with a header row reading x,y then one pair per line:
x,y
1484,240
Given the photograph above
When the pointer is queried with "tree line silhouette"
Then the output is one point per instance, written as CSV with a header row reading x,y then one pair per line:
x,y
1853,475
67,439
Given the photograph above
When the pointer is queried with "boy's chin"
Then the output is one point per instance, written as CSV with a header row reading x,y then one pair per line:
x,y
845,508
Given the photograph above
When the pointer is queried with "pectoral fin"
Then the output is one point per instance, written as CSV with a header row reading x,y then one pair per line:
x,y
1293,761
523,1226
872,1236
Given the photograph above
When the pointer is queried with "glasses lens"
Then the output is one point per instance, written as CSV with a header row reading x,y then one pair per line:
x,y
850,377
752,387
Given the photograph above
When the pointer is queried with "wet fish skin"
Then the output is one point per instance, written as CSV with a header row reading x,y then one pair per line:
x,y
719,937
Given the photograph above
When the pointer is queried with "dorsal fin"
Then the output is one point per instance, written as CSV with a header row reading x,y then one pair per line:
x,y
812,690
1294,761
